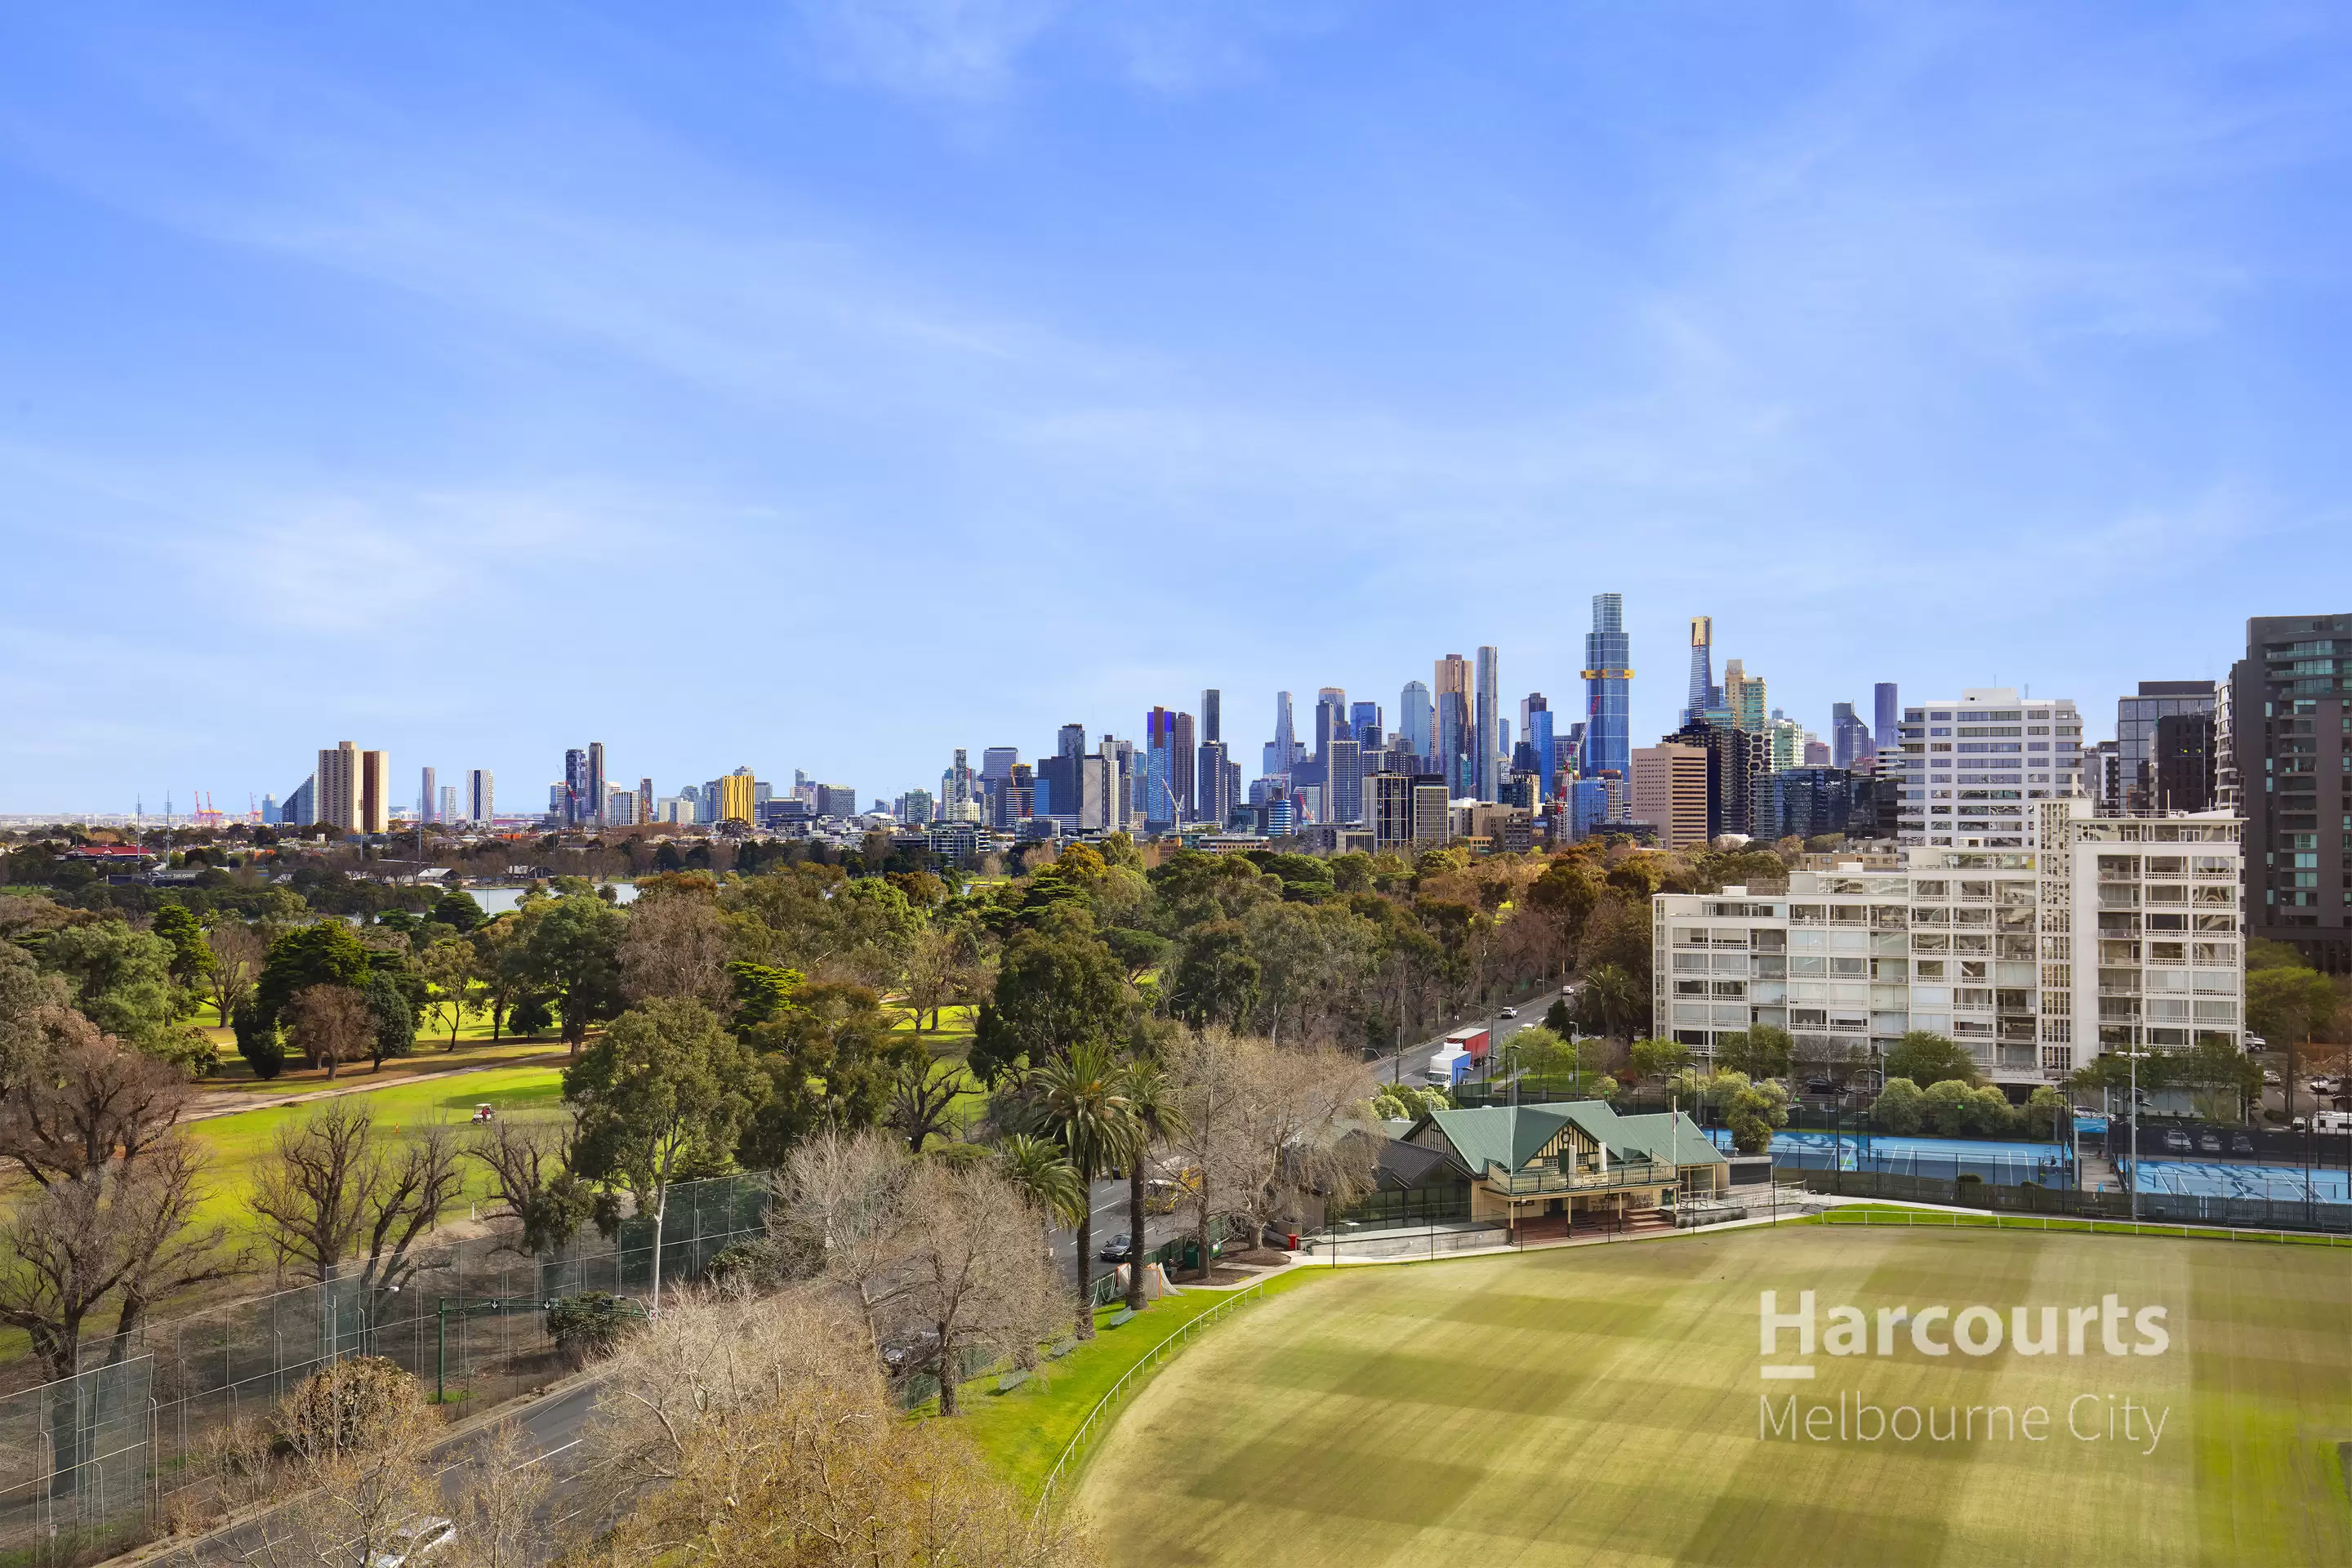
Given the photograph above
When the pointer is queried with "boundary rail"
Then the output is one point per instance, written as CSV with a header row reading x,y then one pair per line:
x,y
1151,1361
2078,1225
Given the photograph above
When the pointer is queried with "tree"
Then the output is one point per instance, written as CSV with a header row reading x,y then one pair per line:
x,y
1563,898
976,1279
332,1188
920,1098
1137,951
1300,1120
1083,1096
530,1175
1760,1052
1558,1019
1541,1052
2219,1076
121,981
2286,1004
666,1086
1159,1111
327,952
573,956
1038,1171
1613,1002
677,947
1217,981
1752,1112
457,910
185,935
1210,1070
258,1040
828,1057
768,1436
233,961
1657,1058
1928,1059
392,1016
331,1024
86,1103
449,968
1899,1107
835,1213
1056,990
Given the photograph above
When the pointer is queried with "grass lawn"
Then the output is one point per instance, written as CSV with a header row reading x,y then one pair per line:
x,y
1605,1405
236,1142
1023,1432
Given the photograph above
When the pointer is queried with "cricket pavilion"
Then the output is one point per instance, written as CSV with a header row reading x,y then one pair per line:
x,y
1546,1171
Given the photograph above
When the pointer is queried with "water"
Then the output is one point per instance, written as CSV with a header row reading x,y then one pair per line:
x,y
499,901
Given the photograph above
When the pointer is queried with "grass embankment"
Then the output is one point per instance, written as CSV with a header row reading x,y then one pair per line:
x,y
1024,1430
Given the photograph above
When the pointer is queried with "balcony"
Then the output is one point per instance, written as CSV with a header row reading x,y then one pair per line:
x,y
1550,1181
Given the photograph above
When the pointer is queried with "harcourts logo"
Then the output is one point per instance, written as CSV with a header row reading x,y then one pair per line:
x,y
2111,1327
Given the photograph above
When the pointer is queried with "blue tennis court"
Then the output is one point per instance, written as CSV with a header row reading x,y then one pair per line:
x,y
1911,1155
2209,1179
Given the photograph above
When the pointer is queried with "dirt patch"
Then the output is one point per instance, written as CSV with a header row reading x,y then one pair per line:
x,y
1223,1276
1255,1258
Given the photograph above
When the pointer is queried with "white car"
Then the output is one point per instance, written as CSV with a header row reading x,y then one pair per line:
x,y
1509,1012
414,1542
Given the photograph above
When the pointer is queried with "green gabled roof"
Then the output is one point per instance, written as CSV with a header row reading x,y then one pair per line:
x,y
1507,1136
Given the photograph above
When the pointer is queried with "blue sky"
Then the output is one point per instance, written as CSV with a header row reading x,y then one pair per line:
x,y
829,385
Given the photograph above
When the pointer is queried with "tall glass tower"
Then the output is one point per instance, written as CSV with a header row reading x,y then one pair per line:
x,y
1608,683
1416,719
1486,726
1702,669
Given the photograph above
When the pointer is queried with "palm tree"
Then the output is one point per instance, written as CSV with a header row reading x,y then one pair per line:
x,y
1158,1116
1083,1094
1036,1168
1611,997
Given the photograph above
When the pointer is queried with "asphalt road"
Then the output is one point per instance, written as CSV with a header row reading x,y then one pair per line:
x,y
1410,1065
1109,1219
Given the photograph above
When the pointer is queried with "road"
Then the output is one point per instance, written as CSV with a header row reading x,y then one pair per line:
x,y
1410,1065
1109,1219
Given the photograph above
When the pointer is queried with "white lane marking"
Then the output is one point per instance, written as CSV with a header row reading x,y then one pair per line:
x,y
549,1455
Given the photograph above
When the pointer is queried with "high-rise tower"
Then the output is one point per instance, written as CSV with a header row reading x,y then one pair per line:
x,y
1414,717
1488,725
1608,682
1702,669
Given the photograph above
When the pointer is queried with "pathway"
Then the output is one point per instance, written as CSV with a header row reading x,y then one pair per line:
x,y
230,1102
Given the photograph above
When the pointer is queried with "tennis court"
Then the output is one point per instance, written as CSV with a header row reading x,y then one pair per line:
x,y
1911,1155
2211,1179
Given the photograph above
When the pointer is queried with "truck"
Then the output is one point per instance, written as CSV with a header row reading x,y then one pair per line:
x,y
1471,1042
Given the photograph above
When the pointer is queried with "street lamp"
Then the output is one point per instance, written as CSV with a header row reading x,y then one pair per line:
x,y
2131,1177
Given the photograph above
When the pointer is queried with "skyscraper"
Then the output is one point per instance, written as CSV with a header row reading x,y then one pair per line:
x,y
1416,719
445,809
429,800
375,792
336,802
1493,741
1212,721
1985,759
1540,736
1343,782
1456,725
1743,697
1701,669
1212,796
596,781
1160,763
2285,735
575,787
2137,718
1849,737
958,791
479,801
1364,724
1608,679
644,800
1278,750
1887,729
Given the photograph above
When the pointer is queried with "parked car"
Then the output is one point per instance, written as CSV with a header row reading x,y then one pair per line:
x,y
2210,1143
2177,1141
1821,1086
2241,1144
414,1542
1119,1249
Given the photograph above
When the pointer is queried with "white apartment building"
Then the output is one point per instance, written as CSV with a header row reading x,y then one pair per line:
x,y
1973,766
2122,933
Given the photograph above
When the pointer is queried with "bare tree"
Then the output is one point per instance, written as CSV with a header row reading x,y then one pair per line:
x,y
332,1188
331,1024
530,1168
762,1432
500,1504
967,1242
230,974
837,1204
119,1229
676,946
1305,1111
87,1102
1211,1078
920,1098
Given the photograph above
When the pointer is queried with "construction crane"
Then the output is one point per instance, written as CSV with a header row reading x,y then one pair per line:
x,y
205,815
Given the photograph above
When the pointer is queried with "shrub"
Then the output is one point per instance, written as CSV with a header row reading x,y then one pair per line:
x,y
1898,1108
1754,1109
258,1040
354,1407
591,1325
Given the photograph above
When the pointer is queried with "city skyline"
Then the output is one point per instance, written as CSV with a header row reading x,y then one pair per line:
x,y
398,339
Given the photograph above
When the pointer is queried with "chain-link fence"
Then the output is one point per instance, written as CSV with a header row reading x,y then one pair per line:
x,y
120,1442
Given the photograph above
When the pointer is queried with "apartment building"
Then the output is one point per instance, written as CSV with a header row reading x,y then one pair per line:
x,y
1972,766
1670,789
2121,933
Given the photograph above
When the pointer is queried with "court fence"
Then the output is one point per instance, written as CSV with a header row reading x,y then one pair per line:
x,y
2179,1208
103,1458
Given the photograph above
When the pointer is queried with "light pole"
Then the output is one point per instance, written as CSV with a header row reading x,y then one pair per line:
x,y
2131,1171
